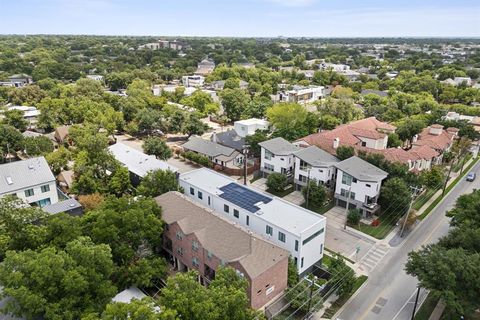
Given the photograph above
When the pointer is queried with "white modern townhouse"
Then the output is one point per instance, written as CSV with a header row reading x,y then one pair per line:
x,y
289,226
277,155
301,94
314,164
30,180
358,185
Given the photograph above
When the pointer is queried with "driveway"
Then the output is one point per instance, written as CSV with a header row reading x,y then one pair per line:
x,y
260,184
343,241
182,166
295,197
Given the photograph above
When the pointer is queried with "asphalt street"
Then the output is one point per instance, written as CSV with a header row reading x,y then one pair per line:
x,y
390,292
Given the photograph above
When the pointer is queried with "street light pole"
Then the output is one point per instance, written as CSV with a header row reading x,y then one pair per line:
x,y
448,178
415,305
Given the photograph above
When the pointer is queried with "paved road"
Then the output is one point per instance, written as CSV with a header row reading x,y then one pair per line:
x,y
389,292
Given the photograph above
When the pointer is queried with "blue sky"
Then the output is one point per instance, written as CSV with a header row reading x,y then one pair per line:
x,y
317,18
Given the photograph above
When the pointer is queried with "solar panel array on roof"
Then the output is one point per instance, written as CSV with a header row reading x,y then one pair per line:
x,y
243,197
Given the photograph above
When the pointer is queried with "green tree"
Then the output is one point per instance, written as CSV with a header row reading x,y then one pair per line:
x,y
343,109
316,193
345,152
254,140
58,284
158,182
328,122
299,295
234,101
11,140
15,119
353,217
58,160
194,126
292,272
131,228
157,147
145,309
119,182
408,128
433,178
35,146
395,196
276,182
288,120
393,141
343,277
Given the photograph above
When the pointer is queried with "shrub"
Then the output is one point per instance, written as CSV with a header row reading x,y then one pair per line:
x,y
276,182
316,194
354,216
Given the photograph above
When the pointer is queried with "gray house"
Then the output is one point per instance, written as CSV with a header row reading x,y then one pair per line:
x,y
218,154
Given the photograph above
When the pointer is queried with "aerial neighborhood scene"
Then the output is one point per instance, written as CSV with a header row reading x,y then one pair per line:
x,y
248,160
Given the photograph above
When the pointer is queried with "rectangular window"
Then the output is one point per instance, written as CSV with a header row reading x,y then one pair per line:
x,y
302,178
301,263
194,245
248,220
296,261
208,200
269,230
304,165
268,167
281,236
352,195
45,188
179,235
180,251
209,255
368,185
29,193
343,192
364,144
319,232
354,180
226,208
195,262
268,154
236,214
321,248
200,195
347,179
192,191
296,245
44,202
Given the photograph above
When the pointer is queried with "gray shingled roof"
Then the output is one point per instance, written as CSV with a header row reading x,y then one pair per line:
x,y
361,169
62,206
279,146
207,147
230,139
316,157
20,175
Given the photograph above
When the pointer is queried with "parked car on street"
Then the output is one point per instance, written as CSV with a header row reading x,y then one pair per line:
x,y
471,176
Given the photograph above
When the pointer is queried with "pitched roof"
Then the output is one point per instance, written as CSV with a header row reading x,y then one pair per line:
x,y
230,139
316,156
24,174
127,295
136,161
224,239
207,147
424,152
361,169
279,146
437,142
372,124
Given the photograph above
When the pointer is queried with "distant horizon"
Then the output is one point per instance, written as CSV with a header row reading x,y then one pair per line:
x,y
245,19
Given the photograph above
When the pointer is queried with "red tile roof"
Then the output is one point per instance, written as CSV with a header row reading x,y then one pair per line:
x,y
438,142
372,124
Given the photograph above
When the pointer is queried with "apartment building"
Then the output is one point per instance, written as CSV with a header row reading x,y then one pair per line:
x,y
30,180
301,94
193,81
197,238
289,226
358,183
277,155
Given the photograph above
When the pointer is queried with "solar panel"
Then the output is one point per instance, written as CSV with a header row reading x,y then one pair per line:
x,y
243,197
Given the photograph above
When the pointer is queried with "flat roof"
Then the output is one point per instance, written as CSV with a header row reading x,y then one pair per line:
x,y
281,213
138,162
252,121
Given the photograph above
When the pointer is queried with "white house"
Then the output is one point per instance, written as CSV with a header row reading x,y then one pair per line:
x,y
95,77
301,94
358,184
137,162
217,153
248,127
289,226
277,155
314,164
30,180
193,81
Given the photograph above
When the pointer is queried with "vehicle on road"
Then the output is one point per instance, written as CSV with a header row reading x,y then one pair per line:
x,y
471,176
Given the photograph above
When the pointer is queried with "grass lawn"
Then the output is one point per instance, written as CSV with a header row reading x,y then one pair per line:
x,y
330,312
283,193
255,179
327,260
420,201
322,209
450,187
427,308
381,231
458,165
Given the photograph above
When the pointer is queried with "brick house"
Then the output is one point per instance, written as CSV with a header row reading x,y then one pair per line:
x,y
196,238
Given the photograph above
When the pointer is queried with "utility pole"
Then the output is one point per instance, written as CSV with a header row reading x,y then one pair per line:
x,y
245,160
346,208
409,209
311,293
415,305
448,178
308,188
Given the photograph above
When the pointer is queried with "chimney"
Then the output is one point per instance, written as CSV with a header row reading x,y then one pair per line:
x,y
336,143
436,129
214,137
415,138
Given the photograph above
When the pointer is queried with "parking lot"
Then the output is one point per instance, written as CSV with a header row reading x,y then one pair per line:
x,y
343,241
